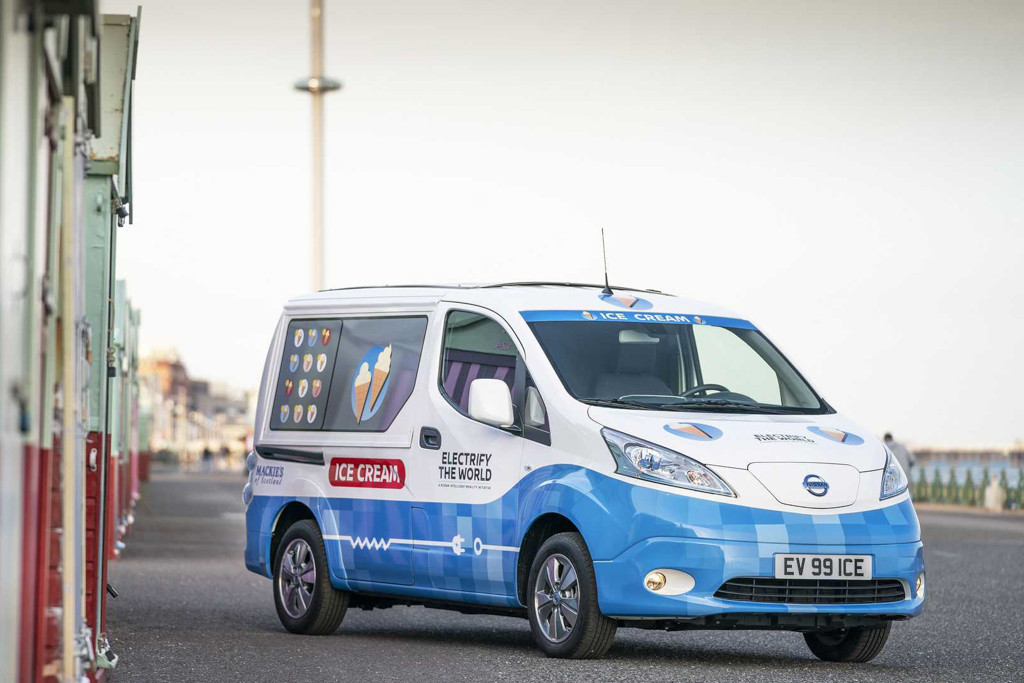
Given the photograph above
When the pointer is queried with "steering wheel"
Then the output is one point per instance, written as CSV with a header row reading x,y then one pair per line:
x,y
702,388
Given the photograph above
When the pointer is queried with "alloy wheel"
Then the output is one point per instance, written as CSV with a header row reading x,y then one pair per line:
x,y
557,598
297,578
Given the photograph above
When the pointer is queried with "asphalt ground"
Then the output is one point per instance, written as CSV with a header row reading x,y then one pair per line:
x,y
189,611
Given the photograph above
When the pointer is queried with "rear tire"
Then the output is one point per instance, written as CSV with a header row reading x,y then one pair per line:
x,y
562,601
306,601
860,644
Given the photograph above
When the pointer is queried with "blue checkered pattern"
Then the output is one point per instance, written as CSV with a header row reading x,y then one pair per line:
x,y
407,547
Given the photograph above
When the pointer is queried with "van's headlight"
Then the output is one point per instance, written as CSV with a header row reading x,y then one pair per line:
x,y
894,479
638,458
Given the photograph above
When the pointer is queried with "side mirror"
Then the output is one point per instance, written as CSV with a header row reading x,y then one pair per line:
x,y
490,402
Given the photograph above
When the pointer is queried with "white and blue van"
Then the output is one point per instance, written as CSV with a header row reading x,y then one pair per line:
x,y
589,458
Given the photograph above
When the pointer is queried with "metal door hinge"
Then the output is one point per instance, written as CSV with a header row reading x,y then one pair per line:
x,y
112,361
47,296
24,420
83,646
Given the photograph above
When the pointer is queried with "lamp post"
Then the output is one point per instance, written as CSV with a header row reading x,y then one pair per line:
x,y
316,85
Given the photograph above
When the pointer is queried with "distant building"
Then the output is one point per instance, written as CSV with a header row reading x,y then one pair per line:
x,y
169,371
192,415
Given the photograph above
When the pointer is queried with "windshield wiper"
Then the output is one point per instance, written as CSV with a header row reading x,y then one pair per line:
x,y
619,403
720,405
725,405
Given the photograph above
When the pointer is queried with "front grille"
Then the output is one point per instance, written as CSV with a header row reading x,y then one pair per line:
x,y
812,591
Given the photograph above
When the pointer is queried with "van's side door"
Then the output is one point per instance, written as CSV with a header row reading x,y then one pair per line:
x,y
368,431
465,538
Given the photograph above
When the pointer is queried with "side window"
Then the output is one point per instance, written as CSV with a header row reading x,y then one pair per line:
x,y
375,372
724,358
304,382
475,347
535,415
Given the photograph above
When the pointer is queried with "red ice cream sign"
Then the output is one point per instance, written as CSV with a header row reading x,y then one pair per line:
x,y
375,473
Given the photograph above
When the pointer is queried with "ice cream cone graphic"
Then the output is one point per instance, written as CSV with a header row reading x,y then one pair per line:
x,y
692,430
362,388
381,370
835,434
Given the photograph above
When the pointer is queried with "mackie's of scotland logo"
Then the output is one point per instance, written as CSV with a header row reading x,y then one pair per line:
x,y
837,435
268,474
627,301
694,430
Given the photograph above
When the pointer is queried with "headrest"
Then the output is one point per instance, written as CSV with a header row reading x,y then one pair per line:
x,y
636,359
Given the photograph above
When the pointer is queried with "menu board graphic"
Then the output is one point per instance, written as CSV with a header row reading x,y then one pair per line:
x,y
304,382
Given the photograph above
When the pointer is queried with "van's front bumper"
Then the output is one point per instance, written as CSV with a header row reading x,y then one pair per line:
x,y
621,590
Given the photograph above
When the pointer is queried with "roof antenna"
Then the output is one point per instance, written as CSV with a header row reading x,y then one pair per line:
x,y
607,291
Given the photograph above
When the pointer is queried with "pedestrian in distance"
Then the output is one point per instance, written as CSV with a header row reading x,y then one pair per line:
x,y
995,496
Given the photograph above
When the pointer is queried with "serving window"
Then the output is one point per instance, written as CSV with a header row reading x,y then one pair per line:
x,y
354,374
306,372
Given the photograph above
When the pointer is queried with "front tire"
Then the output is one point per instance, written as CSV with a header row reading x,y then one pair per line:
x,y
860,644
306,601
562,601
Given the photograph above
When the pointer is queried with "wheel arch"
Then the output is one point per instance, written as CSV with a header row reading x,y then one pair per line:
x,y
542,528
570,498
289,514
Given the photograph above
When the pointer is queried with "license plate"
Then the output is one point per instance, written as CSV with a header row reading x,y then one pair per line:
x,y
837,567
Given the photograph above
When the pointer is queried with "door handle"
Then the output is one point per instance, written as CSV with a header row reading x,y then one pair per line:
x,y
430,438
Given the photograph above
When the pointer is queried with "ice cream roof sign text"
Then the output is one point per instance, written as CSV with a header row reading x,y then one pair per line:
x,y
635,317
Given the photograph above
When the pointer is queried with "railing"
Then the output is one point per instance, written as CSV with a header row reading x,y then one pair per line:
x,y
952,487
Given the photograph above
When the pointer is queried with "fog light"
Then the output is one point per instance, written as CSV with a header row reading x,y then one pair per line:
x,y
919,585
655,581
247,493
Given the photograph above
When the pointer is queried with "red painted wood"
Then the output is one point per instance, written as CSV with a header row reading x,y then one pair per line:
x,y
29,562
95,564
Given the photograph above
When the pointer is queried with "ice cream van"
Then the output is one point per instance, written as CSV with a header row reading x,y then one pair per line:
x,y
586,457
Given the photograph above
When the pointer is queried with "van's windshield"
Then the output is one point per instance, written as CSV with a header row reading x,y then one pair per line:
x,y
657,366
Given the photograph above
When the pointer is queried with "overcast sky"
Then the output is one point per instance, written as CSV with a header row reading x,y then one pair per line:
x,y
848,175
